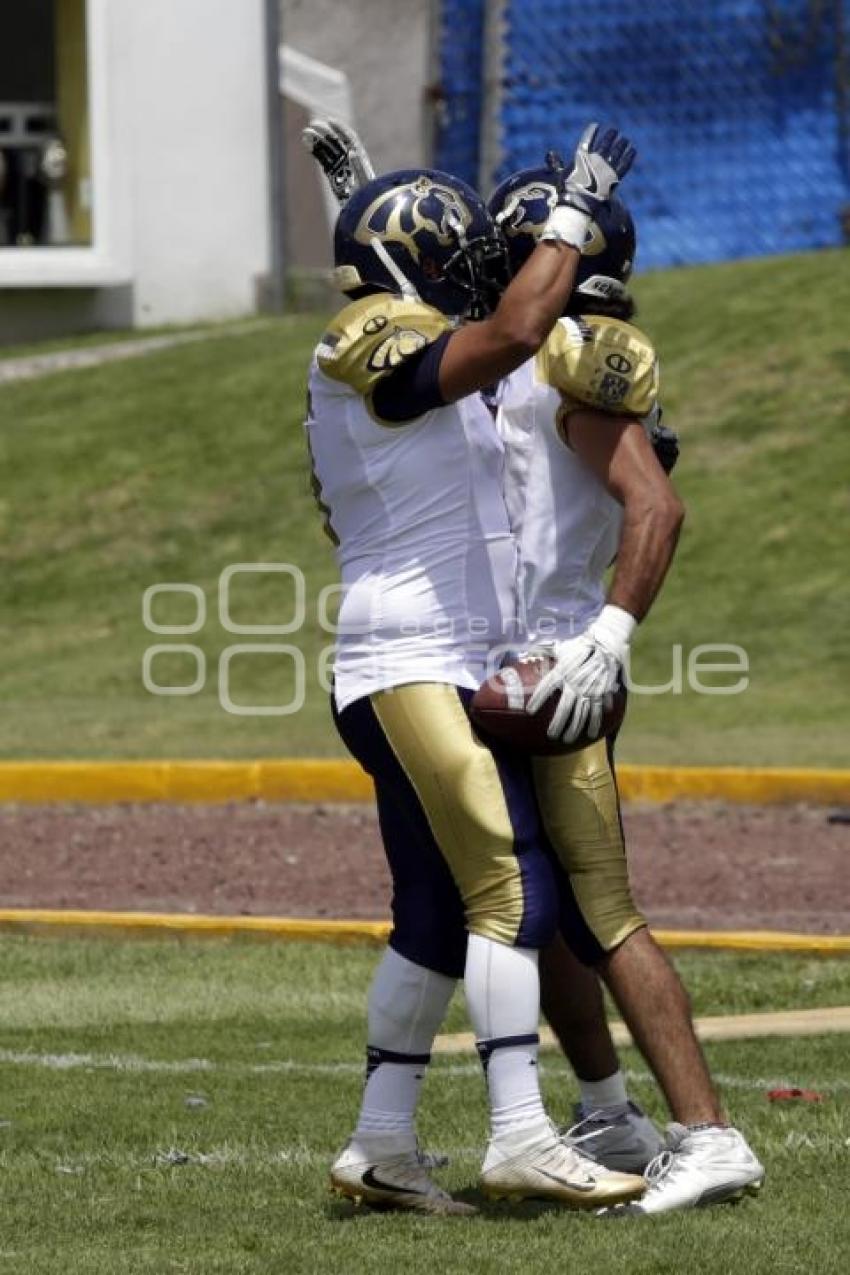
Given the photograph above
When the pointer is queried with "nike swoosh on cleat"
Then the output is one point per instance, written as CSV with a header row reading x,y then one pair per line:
x,y
589,1185
369,1179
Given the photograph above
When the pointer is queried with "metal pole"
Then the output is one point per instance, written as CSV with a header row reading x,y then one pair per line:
x,y
492,80
274,113
433,88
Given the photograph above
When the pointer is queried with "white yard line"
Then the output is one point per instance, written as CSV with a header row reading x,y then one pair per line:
x,y
287,1066
102,1062
793,1144
34,366
215,1157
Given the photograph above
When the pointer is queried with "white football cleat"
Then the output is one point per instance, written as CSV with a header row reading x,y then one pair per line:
x,y
539,1164
626,1141
700,1166
388,1171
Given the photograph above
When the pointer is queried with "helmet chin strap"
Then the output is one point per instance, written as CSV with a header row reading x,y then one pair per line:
x,y
406,287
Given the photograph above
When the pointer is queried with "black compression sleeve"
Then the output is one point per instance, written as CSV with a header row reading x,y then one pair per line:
x,y
413,388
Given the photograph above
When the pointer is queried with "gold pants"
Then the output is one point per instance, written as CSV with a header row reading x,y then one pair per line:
x,y
480,811
577,796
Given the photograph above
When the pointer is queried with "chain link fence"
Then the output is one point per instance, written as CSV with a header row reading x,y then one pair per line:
x,y
740,110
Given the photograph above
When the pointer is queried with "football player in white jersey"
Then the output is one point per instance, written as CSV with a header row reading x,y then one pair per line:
x,y
563,586
585,486
408,469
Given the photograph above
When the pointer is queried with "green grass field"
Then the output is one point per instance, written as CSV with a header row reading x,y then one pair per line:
x,y
174,1106
113,336
171,468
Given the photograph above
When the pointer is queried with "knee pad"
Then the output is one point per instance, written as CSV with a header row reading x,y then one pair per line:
x,y
407,1004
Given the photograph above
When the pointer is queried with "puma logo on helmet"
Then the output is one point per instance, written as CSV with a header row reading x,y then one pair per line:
x,y
399,215
520,216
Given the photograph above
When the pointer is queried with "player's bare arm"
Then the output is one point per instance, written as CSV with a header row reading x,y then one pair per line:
x,y
479,356
619,452
589,667
482,353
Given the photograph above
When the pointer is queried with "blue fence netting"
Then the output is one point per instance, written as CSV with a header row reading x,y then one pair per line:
x,y
458,101
740,110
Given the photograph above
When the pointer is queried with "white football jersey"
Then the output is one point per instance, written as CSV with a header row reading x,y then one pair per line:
x,y
567,524
425,549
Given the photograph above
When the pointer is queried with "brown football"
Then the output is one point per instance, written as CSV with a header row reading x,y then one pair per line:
x,y
498,709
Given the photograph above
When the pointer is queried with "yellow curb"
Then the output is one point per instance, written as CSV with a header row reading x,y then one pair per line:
x,y
203,781
792,1022
756,941
193,925
161,924
308,779
755,785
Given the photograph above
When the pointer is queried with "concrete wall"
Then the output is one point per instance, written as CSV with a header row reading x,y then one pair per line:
x,y
383,47
39,314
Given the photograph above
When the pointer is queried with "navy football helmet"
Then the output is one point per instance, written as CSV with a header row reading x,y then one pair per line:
x,y
521,208
424,234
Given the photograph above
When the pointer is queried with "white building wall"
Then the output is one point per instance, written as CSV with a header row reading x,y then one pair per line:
x,y
192,77
180,175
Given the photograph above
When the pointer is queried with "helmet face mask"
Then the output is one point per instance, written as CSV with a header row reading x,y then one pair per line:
x,y
423,233
481,271
521,206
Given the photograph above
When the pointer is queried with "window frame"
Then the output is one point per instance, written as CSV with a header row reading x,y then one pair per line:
x,y
104,262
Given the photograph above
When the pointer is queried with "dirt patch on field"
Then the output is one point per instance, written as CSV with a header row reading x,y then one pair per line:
x,y
695,866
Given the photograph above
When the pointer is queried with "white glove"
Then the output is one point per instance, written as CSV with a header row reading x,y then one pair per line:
x,y
602,159
586,673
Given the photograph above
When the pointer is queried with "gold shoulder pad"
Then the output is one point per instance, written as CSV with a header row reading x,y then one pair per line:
x,y
601,363
371,337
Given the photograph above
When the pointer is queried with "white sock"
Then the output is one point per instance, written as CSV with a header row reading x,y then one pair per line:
x,y
608,1094
407,1004
503,998
514,1089
391,1093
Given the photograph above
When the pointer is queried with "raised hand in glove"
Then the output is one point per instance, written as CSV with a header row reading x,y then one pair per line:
x,y
340,154
586,673
602,159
